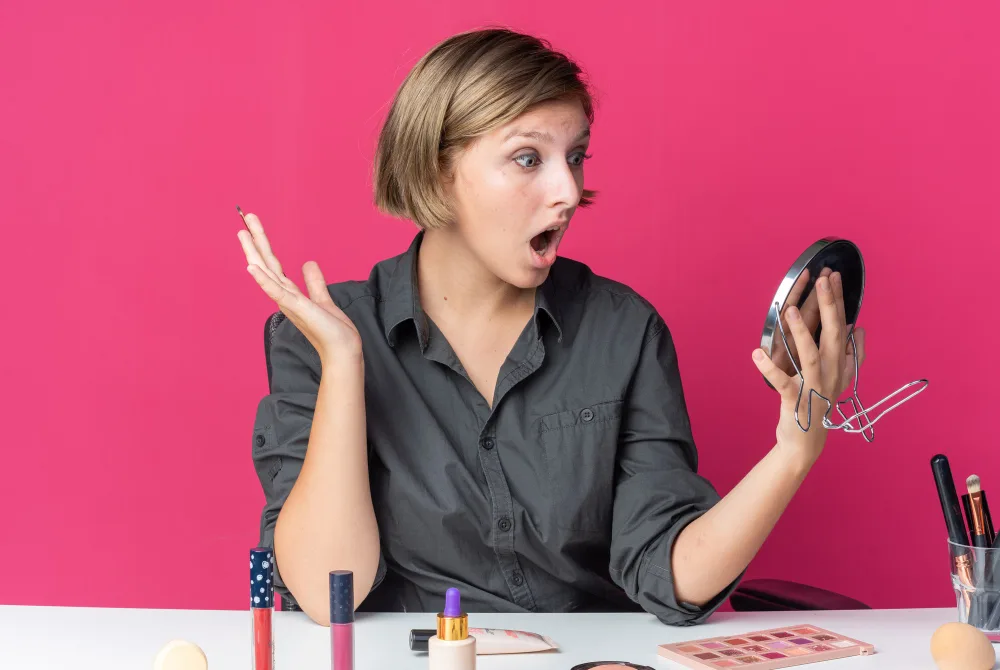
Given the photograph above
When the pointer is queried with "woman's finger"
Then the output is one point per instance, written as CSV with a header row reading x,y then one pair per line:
x,y
253,255
263,244
798,288
319,293
316,283
810,308
810,313
831,345
837,282
292,303
254,258
794,296
274,290
808,352
288,304
781,382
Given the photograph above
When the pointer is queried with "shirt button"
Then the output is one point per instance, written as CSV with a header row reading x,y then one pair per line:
x,y
587,414
517,578
503,524
488,443
260,440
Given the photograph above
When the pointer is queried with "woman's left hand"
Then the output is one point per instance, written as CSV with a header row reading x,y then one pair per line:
x,y
827,369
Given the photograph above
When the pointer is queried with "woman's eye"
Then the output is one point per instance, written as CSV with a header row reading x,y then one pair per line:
x,y
529,157
532,160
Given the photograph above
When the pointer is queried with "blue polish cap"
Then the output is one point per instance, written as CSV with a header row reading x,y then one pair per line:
x,y
261,578
341,596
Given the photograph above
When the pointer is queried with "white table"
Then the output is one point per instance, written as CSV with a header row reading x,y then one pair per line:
x,y
107,639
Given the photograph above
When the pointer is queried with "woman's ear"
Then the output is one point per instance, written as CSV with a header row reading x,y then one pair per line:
x,y
448,160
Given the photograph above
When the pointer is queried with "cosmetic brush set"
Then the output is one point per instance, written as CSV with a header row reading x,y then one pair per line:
x,y
975,551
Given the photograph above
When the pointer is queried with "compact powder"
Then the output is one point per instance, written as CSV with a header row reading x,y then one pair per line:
x,y
610,665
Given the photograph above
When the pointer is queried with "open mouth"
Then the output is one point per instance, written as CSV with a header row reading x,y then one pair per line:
x,y
540,242
544,243
544,246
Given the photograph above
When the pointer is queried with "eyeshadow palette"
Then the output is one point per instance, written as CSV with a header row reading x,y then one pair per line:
x,y
765,649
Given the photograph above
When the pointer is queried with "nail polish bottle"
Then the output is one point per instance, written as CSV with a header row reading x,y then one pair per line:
x,y
452,648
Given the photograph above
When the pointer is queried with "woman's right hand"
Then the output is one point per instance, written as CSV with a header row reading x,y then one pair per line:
x,y
325,325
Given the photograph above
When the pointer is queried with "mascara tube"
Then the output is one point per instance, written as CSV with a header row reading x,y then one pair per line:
x,y
261,608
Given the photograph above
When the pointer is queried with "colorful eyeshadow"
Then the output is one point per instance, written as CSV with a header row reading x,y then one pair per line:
x,y
764,648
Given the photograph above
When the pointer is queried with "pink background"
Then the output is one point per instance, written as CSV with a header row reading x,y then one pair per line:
x,y
729,137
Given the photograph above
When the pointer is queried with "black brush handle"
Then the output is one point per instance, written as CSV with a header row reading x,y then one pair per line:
x,y
950,506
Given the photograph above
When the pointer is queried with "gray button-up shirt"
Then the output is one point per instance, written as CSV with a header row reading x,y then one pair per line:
x,y
567,495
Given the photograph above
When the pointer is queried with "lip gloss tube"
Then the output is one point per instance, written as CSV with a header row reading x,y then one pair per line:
x,y
342,620
261,607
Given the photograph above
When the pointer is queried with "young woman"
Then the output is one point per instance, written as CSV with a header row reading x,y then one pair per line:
x,y
482,414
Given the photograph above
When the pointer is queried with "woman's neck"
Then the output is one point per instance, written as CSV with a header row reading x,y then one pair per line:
x,y
453,283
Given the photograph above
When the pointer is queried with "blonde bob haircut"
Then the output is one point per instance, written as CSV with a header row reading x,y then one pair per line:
x,y
466,86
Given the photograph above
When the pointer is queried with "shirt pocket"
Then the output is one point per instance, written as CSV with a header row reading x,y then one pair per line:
x,y
579,448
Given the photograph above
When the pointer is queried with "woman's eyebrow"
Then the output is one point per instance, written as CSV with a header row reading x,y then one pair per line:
x,y
542,136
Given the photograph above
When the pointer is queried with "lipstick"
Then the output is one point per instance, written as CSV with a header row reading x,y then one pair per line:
x,y
261,607
342,620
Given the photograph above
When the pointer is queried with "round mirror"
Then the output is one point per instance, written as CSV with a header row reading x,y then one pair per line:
x,y
798,288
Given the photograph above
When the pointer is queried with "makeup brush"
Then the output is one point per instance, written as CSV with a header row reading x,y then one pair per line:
x,y
242,216
974,502
979,534
975,491
952,509
982,537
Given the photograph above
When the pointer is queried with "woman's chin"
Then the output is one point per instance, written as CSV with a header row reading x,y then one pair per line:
x,y
529,277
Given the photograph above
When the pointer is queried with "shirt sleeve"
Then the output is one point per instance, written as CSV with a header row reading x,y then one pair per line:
x,y
658,491
281,431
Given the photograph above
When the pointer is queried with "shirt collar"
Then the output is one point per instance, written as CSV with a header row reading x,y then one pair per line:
x,y
401,301
546,300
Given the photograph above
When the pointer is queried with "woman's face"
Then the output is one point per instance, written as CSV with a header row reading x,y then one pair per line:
x,y
516,189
